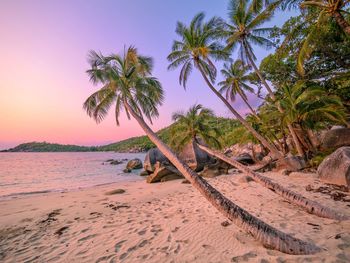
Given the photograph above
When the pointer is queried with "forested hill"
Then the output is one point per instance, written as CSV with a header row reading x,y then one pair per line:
x,y
231,133
49,147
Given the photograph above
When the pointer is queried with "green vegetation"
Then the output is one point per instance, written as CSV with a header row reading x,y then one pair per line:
x,y
50,147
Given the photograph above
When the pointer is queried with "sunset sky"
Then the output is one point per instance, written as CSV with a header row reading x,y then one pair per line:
x,y
43,49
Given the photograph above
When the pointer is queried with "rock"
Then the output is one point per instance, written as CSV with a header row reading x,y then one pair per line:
x,y
185,181
144,173
153,156
170,177
245,179
134,164
293,163
209,172
245,158
127,170
116,162
161,171
336,138
116,191
285,172
195,157
335,168
225,223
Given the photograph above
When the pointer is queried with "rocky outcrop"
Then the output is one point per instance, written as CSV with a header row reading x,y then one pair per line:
x,y
291,163
163,173
153,156
335,168
134,164
336,138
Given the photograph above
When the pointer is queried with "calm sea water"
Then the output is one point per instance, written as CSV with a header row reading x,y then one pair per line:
x,y
29,173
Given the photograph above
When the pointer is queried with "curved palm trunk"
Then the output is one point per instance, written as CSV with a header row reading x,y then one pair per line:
x,y
342,22
269,236
290,127
268,145
248,105
295,198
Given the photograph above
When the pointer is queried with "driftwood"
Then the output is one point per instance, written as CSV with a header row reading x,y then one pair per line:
x,y
295,198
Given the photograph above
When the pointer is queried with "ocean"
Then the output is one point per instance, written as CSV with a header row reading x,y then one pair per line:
x,y
27,173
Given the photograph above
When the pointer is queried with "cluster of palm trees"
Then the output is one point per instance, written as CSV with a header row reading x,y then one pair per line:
x,y
127,84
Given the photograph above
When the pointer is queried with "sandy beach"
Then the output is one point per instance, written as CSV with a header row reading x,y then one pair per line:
x,y
166,222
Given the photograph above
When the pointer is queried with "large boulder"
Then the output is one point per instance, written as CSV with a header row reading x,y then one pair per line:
x,y
134,164
336,138
195,157
291,163
163,173
153,156
335,168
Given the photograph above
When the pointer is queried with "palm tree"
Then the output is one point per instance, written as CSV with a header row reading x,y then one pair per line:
x,y
192,125
309,106
197,48
244,29
126,81
235,82
192,129
332,8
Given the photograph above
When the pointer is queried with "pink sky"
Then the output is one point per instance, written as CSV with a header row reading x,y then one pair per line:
x,y
43,52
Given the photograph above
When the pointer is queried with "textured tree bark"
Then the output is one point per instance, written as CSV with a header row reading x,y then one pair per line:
x,y
269,236
295,198
313,139
268,145
342,22
296,140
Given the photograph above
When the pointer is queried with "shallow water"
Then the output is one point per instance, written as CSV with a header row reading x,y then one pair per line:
x,y
27,173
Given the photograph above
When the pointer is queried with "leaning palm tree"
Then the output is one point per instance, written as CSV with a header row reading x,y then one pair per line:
x,y
127,82
244,30
198,48
236,83
192,129
193,125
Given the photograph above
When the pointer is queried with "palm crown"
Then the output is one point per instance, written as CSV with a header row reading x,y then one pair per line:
x,y
243,28
197,47
235,82
193,125
126,80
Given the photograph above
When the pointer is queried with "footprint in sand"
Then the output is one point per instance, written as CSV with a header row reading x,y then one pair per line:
x,y
244,257
118,246
87,237
142,232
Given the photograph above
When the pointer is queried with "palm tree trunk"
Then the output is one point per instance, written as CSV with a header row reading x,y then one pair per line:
x,y
271,147
295,198
268,235
313,138
290,127
339,18
248,105
296,141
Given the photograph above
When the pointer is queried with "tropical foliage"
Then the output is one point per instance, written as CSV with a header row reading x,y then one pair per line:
x,y
192,126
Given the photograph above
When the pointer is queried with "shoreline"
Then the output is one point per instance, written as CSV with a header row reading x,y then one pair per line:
x,y
16,196
165,222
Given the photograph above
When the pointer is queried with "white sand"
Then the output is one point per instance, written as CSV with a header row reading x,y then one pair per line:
x,y
167,222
